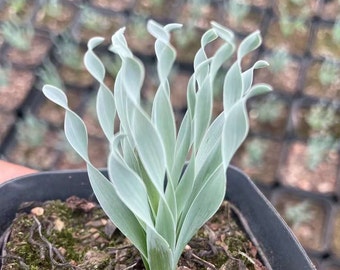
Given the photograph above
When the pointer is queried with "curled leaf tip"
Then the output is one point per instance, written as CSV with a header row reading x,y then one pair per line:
x,y
94,42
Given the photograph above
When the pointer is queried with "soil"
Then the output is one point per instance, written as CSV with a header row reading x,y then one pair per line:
x,y
117,6
268,115
331,266
178,86
299,123
26,13
37,52
69,159
285,80
78,78
159,10
106,27
139,40
295,172
313,86
294,8
78,235
336,234
7,120
54,114
90,118
186,48
13,95
55,24
306,217
250,23
261,3
330,10
324,45
295,44
261,169
41,157
199,15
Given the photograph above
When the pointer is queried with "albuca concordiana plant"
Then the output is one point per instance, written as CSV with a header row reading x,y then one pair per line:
x,y
157,201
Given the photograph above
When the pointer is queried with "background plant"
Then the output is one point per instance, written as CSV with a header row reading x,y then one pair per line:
x,y
289,25
278,60
336,31
52,8
18,34
321,119
31,131
69,51
319,147
237,10
329,72
91,19
16,6
4,75
267,110
299,213
160,216
255,153
48,74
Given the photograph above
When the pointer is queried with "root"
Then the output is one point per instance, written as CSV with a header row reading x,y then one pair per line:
x,y
52,250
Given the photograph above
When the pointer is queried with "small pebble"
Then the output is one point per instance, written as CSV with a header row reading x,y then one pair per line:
x,y
59,224
37,211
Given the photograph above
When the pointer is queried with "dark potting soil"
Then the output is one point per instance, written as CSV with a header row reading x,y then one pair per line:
x,y
77,234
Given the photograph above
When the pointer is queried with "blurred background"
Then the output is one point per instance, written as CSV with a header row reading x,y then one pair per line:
x,y
292,151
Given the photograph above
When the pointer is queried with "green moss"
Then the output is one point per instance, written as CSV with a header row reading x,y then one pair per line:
x,y
73,239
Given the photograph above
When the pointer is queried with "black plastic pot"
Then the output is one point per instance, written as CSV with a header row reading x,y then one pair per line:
x,y
279,248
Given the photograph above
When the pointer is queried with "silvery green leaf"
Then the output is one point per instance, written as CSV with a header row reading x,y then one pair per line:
x,y
117,211
223,32
119,45
150,148
166,56
205,204
106,108
92,62
210,139
74,126
202,175
158,31
203,111
258,89
162,111
234,131
124,113
134,69
167,216
191,96
106,111
185,186
247,75
130,188
212,160
221,56
164,120
232,87
201,72
209,36
183,144
173,26
159,254
250,43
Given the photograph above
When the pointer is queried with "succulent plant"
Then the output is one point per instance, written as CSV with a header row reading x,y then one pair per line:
x,y
154,195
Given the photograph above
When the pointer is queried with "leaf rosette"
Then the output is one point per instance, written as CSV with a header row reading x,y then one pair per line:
x,y
161,180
